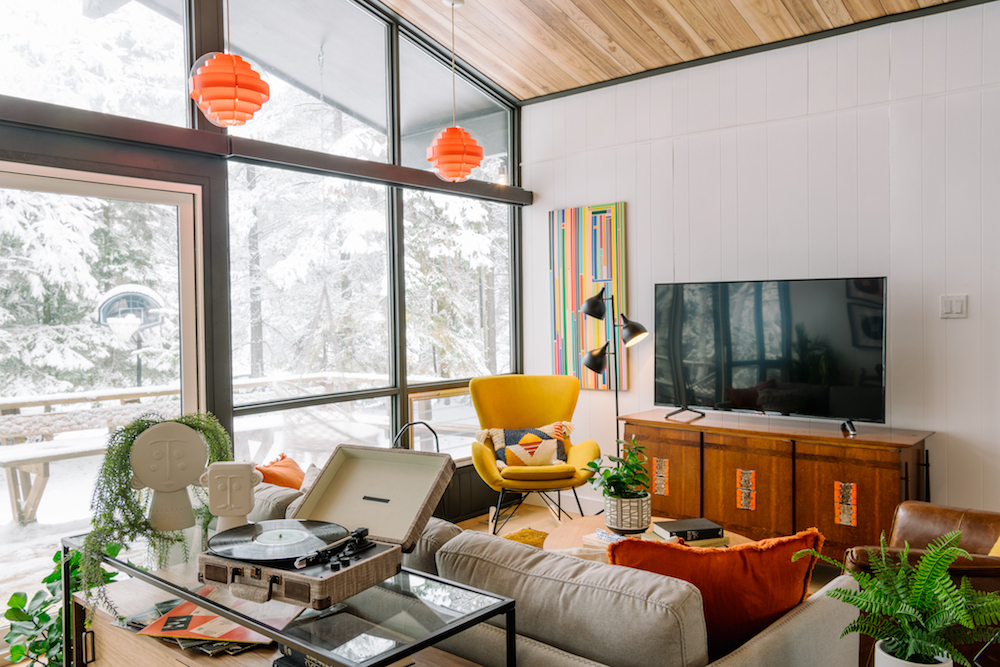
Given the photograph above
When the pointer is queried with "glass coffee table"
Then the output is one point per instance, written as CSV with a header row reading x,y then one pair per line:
x,y
379,627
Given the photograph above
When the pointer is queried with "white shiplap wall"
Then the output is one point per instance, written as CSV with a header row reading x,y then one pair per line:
x,y
875,152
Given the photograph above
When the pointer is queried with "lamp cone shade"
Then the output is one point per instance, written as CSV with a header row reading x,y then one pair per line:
x,y
632,332
594,306
597,360
454,154
226,89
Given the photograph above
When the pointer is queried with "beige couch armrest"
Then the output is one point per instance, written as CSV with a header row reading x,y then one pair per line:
x,y
807,635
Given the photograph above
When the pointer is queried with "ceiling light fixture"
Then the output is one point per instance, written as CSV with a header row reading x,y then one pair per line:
x,y
225,87
454,153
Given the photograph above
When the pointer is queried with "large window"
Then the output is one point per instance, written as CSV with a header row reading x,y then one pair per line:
x,y
457,287
98,325
121,58
309,284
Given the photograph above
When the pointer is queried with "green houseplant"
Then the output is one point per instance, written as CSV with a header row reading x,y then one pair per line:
x,y
35,632
916,612
119,510
624,483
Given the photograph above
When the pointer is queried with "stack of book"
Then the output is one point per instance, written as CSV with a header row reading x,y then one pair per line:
x,y
694,532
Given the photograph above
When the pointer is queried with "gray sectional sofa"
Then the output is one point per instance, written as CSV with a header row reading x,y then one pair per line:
x,y
578,613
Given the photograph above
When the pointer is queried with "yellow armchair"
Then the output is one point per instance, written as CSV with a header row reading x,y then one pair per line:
x,y
529,401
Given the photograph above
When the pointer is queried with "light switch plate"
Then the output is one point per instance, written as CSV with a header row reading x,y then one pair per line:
x,y
954,306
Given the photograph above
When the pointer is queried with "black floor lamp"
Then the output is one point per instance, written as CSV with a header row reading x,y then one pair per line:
x,y
597,360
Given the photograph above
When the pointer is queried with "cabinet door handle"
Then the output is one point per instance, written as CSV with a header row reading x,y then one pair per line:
x,y
88,647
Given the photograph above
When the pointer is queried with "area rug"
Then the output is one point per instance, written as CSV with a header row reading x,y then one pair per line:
x,y
528,536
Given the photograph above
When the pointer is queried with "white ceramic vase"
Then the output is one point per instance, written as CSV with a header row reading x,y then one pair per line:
x,y
883,659
628,515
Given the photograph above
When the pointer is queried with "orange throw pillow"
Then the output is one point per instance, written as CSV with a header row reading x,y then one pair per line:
x,y
744,588
283,472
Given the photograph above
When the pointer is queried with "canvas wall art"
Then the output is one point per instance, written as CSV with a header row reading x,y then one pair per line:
x,y
586,253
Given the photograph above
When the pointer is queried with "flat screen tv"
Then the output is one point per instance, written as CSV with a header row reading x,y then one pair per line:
x,y
812,348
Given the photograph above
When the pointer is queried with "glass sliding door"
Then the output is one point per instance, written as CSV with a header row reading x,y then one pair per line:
x,y
99,324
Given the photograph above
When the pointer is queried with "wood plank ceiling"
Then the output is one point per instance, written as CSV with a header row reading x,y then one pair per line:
x,y
533,48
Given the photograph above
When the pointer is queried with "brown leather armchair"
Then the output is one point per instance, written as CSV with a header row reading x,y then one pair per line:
x,y
918,523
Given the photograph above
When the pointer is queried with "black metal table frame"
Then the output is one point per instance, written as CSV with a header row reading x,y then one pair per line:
x,y
504,606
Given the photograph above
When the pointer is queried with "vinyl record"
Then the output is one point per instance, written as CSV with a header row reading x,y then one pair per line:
x,y
275,540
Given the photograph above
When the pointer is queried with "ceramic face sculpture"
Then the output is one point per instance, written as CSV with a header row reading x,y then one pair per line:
x,y
167,458
230,491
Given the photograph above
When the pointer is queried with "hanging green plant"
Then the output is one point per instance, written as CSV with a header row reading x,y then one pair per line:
x,y
119,510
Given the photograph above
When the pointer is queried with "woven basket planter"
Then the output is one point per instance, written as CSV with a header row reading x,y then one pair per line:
x,y
628,515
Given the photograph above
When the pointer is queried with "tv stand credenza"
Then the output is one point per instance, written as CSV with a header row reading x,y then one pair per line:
x,y
777,477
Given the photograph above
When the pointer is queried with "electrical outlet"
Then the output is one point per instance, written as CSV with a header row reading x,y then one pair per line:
x,y
954,306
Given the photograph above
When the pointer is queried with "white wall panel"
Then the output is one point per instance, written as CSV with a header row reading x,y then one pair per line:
x,y
906,42
847,70
751,89
991,45
963,165
682,210
847,193
823,75
703,98
876,152
624,113
679,88
965,47
873,191
990,308
727,93
729,205
661,211
751,179
601,177
661,107
576,125
935,53
905,300
933,272
600,110
643,109
787,82
705,192
873,77
788,199
823,196
558,127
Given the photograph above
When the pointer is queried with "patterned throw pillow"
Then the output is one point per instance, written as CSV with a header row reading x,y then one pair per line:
x,y
542,446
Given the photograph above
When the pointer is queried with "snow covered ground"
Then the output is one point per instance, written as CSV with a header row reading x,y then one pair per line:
x,y
26,551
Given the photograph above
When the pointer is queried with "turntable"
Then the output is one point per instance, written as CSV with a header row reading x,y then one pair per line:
x,y
367,507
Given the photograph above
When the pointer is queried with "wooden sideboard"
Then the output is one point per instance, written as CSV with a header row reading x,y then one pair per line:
x,y
766,480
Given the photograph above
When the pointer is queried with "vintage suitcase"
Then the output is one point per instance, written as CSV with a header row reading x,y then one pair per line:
x,y
391,492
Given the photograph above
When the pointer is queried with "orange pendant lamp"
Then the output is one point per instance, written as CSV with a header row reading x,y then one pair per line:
x,y
224,86
454,153
226,89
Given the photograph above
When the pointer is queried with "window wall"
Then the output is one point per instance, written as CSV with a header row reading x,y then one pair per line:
x,y
340,289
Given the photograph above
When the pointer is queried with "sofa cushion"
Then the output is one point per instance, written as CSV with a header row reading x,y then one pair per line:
x,y
435,534
611,615
538,473
745,587
271,501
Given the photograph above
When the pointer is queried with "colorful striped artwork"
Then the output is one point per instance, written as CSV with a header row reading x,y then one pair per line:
x,y
587,252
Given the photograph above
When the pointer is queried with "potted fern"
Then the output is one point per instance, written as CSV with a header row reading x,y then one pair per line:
x,y
627,503
916,613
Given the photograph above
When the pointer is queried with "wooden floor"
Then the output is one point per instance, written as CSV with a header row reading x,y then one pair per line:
x,y
539,518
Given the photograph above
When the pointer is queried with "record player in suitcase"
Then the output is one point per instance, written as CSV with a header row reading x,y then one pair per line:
x,y
368,506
